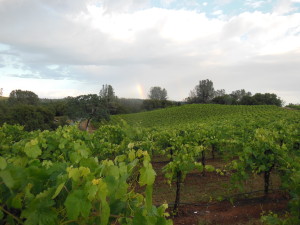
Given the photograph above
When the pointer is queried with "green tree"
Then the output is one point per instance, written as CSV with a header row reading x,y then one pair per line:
x,y
158,93
86,107
57,106
4,112
110,100
31,117
23,97
239,94
219,93
107,94
224,100
150,104
267,99
261,99
248,100
202,93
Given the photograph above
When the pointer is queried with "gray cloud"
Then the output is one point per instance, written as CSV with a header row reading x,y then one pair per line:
x,y
123,6
56,40
35,76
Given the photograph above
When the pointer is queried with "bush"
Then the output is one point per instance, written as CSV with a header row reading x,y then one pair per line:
x,y
32,117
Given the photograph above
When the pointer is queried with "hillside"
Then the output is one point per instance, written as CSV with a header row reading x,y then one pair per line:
x,y
3,98
195,113
222,168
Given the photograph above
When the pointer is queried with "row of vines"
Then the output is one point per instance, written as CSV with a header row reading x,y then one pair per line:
x,y
70,176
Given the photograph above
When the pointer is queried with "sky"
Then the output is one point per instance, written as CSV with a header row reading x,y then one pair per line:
x,y
60,48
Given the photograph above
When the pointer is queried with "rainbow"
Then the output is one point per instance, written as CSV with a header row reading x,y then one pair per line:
x,y
141,91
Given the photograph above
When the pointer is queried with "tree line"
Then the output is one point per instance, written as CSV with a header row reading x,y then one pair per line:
x,y
204,92
27,109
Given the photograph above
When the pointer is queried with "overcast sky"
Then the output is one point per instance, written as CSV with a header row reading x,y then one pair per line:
x,y
59,48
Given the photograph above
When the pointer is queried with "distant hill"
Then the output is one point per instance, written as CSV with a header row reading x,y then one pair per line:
x,y
194,113
3,98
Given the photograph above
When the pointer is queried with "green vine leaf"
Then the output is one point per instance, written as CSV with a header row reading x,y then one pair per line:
x,y
77,204
3,163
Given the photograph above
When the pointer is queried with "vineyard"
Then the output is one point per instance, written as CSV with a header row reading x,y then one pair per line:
x,y
195,114
169,166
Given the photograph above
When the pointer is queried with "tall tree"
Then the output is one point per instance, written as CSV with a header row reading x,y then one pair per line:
x,y
239,94
219,93
158,93
107,94
23,97
109,99
202,93
86,107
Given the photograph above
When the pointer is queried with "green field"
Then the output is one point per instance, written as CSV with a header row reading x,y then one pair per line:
x,y
197,113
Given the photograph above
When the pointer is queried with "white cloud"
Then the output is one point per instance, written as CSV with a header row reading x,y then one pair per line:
x,y
254,4
223,2
217,12
124,43
285,6
114,6
167,2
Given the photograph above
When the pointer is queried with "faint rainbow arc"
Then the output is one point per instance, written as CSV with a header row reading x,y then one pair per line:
x,y
140,90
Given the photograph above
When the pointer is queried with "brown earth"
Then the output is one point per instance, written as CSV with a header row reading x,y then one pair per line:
x,y
200,193
82,126
242,211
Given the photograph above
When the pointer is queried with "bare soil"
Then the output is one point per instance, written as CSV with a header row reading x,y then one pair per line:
x,y
200,198
242,211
